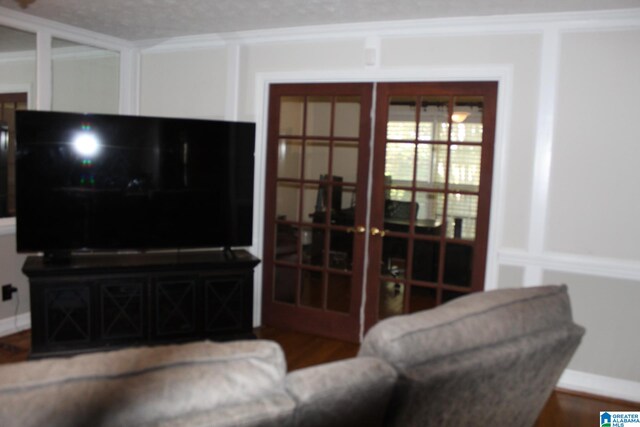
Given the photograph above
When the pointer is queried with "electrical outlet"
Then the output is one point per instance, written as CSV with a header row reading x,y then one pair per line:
x,y
7,291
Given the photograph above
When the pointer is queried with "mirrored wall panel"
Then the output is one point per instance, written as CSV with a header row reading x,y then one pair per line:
x,y
17,90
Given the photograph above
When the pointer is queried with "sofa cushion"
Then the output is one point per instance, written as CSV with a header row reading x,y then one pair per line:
x,y
150,386
468,322
352,392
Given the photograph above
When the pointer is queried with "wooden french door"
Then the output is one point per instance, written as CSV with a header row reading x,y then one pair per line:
x,y
316,206
419,220
431,195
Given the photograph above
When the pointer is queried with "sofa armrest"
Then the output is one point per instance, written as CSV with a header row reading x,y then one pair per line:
x,y
238,383
345,393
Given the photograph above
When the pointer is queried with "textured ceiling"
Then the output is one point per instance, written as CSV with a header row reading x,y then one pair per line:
x,y
156,19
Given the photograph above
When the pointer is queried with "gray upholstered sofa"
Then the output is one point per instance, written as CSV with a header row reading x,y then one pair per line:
x,y
481,359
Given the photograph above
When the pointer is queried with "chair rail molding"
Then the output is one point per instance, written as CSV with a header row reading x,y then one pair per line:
x,y
572,263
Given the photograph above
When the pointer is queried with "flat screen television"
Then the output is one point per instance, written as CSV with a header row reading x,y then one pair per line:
x,y
96,182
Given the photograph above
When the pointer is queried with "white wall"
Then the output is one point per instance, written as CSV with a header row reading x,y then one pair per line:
x,y
593,209
86,83
593,203
184,84
10,268
16,74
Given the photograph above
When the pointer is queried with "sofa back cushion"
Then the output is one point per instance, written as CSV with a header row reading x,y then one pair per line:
x,y
216,384
484,357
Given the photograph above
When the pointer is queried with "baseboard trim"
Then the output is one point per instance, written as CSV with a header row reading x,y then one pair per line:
x,y
599,385
15,324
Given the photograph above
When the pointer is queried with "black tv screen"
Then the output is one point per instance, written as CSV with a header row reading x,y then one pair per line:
x,y
112,182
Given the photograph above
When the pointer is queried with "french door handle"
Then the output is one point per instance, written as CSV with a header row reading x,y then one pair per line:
x,y
360,229
375,231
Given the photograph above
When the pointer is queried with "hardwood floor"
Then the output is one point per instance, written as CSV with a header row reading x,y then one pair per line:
x,y
15,348
304,350
564,408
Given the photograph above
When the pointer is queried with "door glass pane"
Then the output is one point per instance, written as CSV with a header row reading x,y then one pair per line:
x,y
401,125
467,119
340,250
316,159
346,214
426,256
434,118
462,211
339,293
398,214
394,257
399,161
313,246
289,154
287,201
287,243
347,117
391,301
464,170
314,203
285,283
397,194
291,115
345,161
430,209
457,264
311,289
422,299
432,166
306,240
319,116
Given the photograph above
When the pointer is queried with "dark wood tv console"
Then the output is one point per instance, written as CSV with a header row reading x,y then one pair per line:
x,y
102,301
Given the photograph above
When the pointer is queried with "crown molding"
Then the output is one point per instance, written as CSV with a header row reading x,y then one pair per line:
x,y
34,24
497,24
